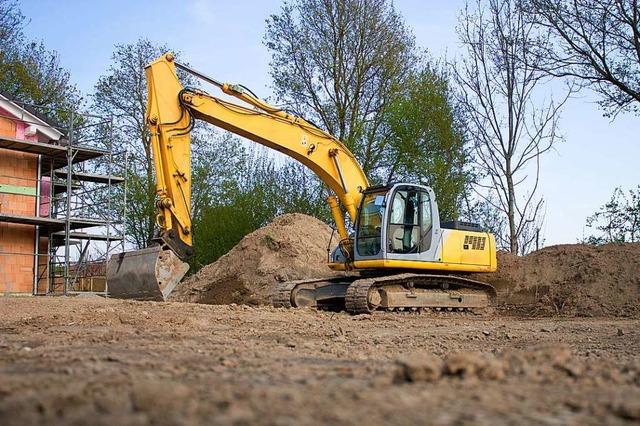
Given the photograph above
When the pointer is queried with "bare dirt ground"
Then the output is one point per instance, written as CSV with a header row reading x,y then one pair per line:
x,y
74,361
560,347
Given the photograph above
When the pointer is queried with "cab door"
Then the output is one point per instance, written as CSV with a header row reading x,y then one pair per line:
x,y
369,227
409,233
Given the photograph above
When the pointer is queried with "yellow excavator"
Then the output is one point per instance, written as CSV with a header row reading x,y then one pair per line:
x,y
398,255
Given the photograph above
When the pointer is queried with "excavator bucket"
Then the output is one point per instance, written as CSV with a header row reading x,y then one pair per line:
x,y
148,274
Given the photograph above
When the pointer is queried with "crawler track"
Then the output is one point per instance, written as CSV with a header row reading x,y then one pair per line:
x,y
414,291
394,292
318,292
282,296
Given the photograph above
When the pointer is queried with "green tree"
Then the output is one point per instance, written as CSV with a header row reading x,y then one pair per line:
x,y
260,192
301,191
36,77
249,205
217,161
222,226
340,63
426,141
31,73
618,220
353,68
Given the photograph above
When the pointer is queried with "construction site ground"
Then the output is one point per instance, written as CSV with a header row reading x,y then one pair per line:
x,y
559,347
77,361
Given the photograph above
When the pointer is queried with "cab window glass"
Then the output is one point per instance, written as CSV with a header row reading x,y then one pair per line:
x,y
410,222
403,232
404,210
425,207
370,226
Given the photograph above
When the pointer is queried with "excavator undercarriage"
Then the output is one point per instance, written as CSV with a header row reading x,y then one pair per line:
x,y
362,295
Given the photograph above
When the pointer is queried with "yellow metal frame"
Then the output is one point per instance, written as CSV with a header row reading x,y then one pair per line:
x,y
455,253
424,265
452,257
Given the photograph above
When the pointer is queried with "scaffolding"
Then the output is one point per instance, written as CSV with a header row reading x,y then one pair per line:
x,y
79,214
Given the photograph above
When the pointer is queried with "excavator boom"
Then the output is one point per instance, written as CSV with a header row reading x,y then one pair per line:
x,y
152,273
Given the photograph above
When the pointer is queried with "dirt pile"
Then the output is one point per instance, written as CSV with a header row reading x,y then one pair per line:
x,y
292,247
571,279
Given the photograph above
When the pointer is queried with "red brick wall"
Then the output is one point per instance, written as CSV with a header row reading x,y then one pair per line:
x,y
17,242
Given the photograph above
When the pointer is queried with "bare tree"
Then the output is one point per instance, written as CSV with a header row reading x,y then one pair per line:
x,y
597,42
510,124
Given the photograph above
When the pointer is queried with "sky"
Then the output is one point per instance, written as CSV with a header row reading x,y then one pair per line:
x,y
224,40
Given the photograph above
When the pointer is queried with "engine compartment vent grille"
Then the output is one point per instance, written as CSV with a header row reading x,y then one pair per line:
x,y
474,243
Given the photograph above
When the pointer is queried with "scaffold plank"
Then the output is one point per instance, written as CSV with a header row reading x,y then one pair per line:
x,y
53,225
90,177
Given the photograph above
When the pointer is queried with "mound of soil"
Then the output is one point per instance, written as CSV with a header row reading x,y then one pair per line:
x,y
292,247
572,279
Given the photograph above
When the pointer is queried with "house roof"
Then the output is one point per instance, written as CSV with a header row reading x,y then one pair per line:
x,y
28,115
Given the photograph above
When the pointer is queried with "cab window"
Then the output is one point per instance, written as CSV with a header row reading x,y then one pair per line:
x,y
410,222
370,225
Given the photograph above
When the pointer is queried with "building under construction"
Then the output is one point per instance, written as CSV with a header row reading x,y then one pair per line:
x,y
60,218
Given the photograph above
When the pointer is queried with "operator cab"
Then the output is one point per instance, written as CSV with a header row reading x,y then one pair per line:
x,y
397,223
